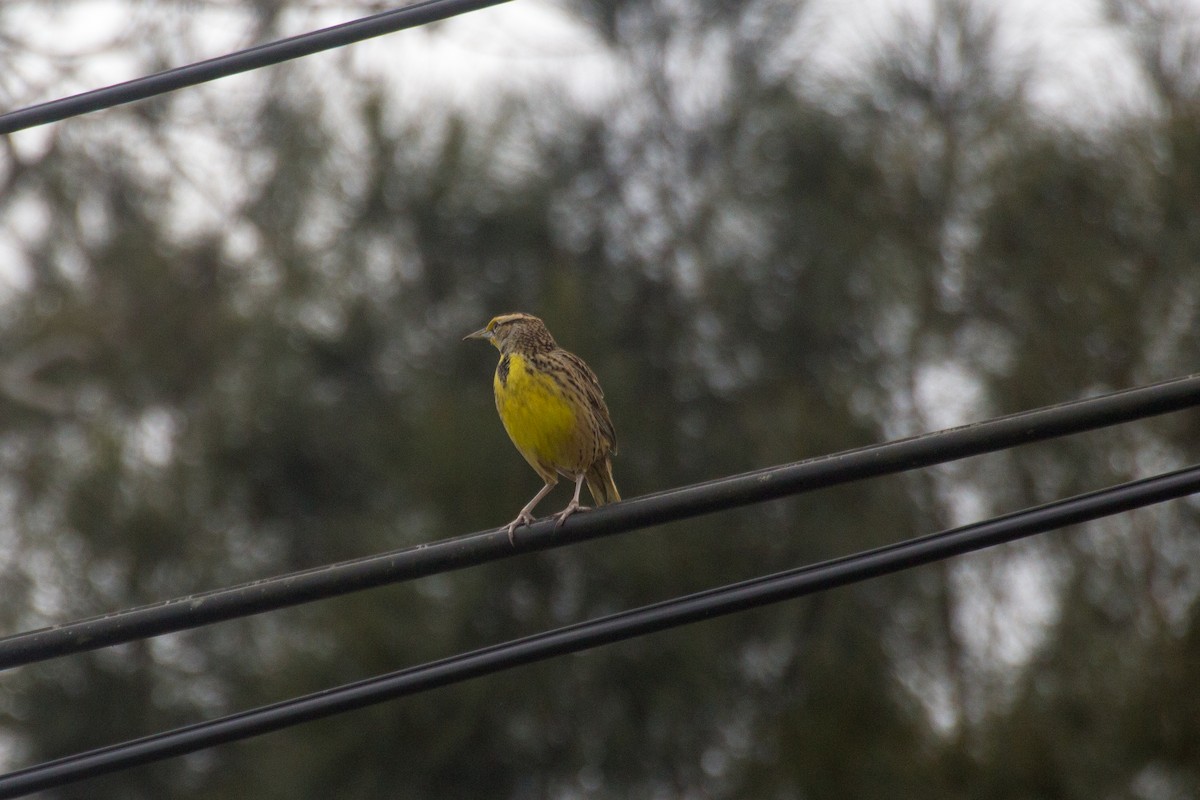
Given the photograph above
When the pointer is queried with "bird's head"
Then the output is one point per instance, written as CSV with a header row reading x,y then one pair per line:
x,y
515,332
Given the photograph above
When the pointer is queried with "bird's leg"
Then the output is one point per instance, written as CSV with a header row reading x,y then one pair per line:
x,y
526,515
572,506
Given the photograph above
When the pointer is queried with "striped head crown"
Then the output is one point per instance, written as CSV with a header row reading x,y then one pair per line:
x,y
517,332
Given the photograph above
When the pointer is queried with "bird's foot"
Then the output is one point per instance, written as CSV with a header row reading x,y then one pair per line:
x,y
524,518
571,508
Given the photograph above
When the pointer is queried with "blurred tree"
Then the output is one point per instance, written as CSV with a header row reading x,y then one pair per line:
x,y
231,339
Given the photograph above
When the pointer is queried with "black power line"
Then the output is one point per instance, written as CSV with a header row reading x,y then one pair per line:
x,y
263,55
605,630
476,548
675,504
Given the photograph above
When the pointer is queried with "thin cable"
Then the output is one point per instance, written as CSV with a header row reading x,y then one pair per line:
x,y
262,55
605,630
676,504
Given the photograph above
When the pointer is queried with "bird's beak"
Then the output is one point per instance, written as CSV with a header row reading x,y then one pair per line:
x,y
484,334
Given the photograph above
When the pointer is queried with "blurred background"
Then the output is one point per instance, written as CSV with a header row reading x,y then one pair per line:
x,y
230,347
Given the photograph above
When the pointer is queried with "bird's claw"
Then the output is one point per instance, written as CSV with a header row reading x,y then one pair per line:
x,y
524,518
571,508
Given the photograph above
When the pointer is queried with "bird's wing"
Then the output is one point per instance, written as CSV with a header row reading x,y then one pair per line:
x,y
595,395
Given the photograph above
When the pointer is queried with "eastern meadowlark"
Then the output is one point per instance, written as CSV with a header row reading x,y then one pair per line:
x,y
553,409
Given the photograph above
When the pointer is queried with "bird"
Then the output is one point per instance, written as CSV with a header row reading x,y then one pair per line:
x,y
553,409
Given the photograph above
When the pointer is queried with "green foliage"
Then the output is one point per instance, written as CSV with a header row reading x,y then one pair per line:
x,y
770,272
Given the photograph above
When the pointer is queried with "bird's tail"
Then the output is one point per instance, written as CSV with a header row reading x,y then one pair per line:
x,y
600,483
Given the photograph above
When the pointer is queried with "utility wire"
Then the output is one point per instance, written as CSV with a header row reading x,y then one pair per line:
x,y
676,504
605,630
262,55
476,548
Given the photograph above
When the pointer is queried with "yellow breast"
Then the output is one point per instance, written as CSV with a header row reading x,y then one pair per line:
x,y
540,419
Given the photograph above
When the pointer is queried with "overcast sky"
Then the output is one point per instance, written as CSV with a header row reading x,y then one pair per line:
x,y
1081,64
